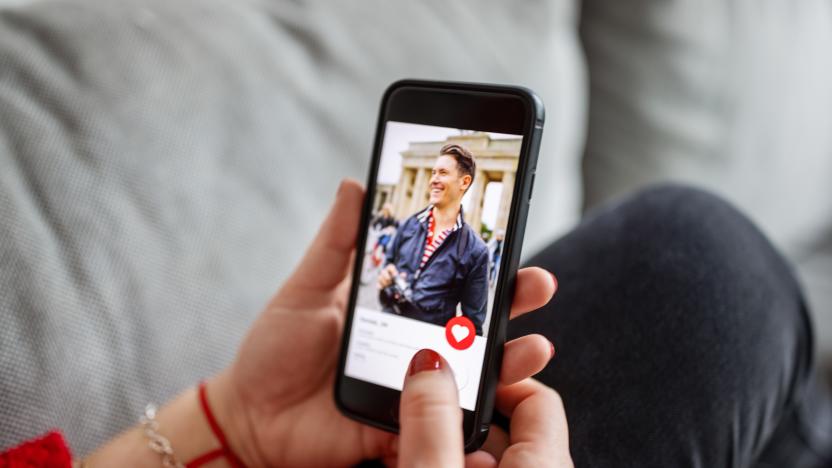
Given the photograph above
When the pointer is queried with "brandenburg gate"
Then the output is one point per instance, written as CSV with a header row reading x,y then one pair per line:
x,y
496,161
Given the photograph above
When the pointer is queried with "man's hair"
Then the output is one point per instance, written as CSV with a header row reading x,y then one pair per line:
x,y
464,159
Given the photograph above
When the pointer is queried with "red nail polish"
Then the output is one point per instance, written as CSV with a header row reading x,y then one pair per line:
x,y
425,360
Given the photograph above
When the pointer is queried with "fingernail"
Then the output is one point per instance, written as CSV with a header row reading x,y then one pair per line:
x,y
554,280
551,350
425,360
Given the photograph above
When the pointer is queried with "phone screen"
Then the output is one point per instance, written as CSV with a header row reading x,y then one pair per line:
x,y
434,243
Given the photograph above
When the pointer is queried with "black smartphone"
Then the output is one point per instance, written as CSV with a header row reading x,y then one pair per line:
x,y
448,193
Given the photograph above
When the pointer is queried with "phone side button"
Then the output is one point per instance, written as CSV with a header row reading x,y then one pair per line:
x,y
531,186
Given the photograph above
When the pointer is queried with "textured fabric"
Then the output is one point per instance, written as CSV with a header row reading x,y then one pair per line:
x,y
730,95
683,340
156,156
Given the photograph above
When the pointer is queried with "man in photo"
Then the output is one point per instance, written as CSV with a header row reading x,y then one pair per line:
x,y
437,266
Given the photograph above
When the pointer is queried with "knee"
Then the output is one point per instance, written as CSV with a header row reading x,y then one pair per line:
x,y
677,282
671,294
692,243
673,223
694,251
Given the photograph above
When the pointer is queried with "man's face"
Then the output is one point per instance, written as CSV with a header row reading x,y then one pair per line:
x,y
447,183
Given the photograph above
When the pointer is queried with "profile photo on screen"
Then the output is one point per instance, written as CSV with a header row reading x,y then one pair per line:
x,y
437,266
437,225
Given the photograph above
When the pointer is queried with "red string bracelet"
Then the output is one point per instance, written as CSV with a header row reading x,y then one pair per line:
x,y
225,449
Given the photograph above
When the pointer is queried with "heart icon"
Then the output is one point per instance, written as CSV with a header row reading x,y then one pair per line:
x,y
460,332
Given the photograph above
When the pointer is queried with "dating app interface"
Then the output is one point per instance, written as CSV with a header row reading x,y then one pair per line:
x,y
434,245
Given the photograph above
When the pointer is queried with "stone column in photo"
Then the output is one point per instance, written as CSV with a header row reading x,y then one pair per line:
x,y
426,197
420,188
474,214
400,197
505,201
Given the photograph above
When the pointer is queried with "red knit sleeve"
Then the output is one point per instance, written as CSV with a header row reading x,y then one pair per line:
x,y
49,451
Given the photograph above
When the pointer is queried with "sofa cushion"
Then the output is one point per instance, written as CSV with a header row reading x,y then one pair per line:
x,y
732,96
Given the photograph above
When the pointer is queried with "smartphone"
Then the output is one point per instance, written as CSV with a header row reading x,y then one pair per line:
x,y
438,248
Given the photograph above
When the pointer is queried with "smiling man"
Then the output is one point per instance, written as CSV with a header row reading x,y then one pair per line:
x,y
437,266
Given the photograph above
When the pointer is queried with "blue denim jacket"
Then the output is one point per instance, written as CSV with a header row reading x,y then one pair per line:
x,y
456,273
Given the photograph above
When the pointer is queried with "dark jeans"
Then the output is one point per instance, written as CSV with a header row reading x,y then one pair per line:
x,y
682,340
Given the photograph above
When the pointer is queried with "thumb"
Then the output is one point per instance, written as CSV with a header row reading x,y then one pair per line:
x,y
327,260
431,419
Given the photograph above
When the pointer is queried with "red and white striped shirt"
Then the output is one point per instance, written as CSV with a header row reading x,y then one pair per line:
x,y
433,239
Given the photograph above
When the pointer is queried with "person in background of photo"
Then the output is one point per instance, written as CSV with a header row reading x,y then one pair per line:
x,y
384,218
495,249
437,264
382,229
386,226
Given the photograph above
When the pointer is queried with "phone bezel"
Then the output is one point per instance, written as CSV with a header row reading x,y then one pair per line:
x,y
485,107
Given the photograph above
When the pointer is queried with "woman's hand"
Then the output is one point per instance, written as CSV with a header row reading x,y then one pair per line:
x,y
276,401
430,420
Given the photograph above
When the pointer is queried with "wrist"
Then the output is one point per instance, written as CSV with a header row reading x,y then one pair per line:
x,y
233,418
180,422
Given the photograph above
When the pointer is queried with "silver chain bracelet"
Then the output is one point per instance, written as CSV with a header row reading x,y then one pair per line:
x,y
157,442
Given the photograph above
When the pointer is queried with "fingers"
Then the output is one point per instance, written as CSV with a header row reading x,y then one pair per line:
x,y
510,396
538,424
327,260
385,277
524,357
496,443
480,459
429,414
534,288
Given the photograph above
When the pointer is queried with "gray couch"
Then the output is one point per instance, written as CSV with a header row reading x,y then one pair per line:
x,y
162,164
